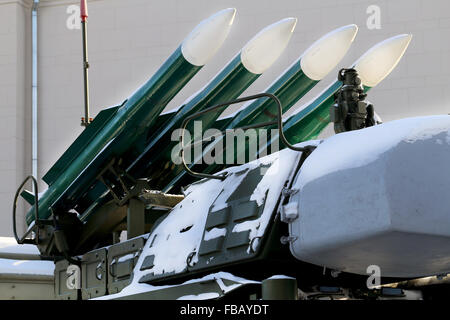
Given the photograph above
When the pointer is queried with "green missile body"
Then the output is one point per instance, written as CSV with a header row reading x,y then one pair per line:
x,y
156,160
228,84
114,130
375,65
310,121
314,64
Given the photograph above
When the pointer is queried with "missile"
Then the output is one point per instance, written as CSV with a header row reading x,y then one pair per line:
x,y
114,130
256,57
312,66
373,67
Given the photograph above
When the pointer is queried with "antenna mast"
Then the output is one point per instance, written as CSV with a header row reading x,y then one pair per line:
x,y
84,15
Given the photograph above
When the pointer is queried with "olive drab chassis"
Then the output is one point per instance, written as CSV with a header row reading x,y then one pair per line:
x,y
103,271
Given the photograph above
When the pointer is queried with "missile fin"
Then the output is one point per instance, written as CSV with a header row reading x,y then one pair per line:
x,y
78,145
28,196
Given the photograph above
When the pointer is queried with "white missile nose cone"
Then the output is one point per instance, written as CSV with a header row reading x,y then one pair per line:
x,y
381,59
266,47
324,54
207,37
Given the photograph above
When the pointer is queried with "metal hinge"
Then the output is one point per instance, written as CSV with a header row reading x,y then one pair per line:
x,y
289,212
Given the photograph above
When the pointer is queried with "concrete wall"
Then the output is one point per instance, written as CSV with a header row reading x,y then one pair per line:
x,y
15,104
129,40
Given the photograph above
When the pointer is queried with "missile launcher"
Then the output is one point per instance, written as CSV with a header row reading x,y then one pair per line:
x,y
375,65
314,64
257,55
306,222
154,158
114,129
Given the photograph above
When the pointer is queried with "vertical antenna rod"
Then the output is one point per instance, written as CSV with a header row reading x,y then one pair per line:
x,y
83,15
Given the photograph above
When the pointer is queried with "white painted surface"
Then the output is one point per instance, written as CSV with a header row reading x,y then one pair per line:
x,y
207,38
378,196
381,59
267,46
324,54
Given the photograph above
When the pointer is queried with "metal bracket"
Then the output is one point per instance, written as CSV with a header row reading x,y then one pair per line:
x,y
289,212
37,223
289,192
121,192
160,199
287,239
226,104
122,259
94,277
135,218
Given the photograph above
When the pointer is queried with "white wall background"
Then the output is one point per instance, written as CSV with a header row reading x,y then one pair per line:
x,y
15,104
130,39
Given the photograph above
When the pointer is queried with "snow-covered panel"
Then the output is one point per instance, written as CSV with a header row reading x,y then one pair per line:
x,y
279,277
180,233
177,239
215,233
377,196
136,288
34,267
10,245
268,191
353,150
201,296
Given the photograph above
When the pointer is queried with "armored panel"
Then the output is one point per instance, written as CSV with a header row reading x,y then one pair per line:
x,y
377,196
223,240
122,258
93,274
62,292
26,287
219,222
148,262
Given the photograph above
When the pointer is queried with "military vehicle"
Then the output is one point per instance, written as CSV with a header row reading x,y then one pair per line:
x,y
134,211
